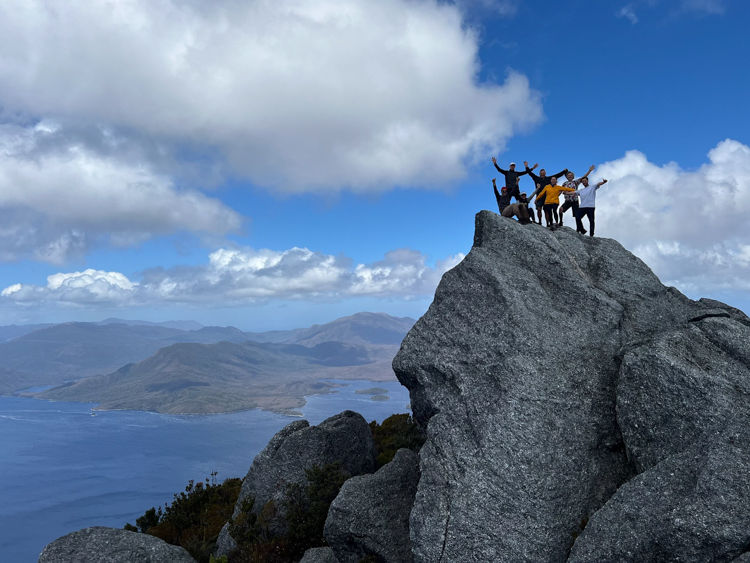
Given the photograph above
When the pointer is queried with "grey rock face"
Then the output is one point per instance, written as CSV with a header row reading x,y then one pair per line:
x,y
514,370
319,555
345,437
692,507
110,545
370,515
673,387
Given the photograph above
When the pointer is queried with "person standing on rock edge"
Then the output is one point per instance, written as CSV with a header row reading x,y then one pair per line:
x,y
588,205
511,177
552,200
571,200
542,180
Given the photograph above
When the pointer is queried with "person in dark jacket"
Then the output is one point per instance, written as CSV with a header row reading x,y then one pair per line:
x,y
502,197
542,180
511,177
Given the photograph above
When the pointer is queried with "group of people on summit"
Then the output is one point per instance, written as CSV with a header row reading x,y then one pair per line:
x,y
547,196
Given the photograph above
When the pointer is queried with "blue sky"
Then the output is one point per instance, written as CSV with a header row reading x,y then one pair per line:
x,y
272,165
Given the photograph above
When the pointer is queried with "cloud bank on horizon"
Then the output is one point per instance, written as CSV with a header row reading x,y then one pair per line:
x,y
236,277
690,227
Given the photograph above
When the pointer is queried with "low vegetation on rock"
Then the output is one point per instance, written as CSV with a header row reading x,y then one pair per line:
x,y
196,516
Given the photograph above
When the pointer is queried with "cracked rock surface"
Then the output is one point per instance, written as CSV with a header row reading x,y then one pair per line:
x,y
563,389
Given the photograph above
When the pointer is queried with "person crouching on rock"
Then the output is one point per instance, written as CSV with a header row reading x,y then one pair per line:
x,y
519,210
552,200
523,200
506,208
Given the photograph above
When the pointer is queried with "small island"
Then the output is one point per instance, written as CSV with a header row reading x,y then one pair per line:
x,y
380,398
372,391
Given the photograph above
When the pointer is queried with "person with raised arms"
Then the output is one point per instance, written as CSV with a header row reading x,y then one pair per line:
x,y
542,180
571,199
588,205
511,177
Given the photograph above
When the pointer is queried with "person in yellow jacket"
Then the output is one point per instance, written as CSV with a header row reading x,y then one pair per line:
x,y
552,200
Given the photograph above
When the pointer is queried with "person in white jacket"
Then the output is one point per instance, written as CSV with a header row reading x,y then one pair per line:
x,y
588,205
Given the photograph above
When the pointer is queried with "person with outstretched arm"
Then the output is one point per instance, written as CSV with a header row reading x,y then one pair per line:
x,y
542,180
502,197
571,199
588,205
511,177
552,199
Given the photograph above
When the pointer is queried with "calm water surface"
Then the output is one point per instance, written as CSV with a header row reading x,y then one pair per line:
x,y
62,469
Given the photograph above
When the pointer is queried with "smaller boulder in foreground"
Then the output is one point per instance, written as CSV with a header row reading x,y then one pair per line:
x,y
370,516
111,545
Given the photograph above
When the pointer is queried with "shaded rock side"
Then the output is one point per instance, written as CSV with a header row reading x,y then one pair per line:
x,y
345,437
674,387
110,545
513,374
319,555
690,508
370,516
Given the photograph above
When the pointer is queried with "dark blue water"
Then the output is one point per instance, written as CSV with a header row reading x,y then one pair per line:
x,y
62,469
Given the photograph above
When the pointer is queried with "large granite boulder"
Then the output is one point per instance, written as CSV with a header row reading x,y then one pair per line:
x,y
692,507
370,516
110,545
550,370
344,438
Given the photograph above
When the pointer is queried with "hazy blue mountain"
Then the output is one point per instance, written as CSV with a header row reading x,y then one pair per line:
x,y
74,350
223,377
361,328
10,332
180,325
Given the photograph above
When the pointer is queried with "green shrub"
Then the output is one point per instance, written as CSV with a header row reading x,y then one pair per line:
x,y
195,517
305,511
396,432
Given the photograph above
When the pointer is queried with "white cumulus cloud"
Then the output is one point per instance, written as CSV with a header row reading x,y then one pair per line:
x,y
57,196
243,276
292,94
690,226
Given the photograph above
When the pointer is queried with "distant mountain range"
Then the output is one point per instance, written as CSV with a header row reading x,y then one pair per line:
x,y
149,366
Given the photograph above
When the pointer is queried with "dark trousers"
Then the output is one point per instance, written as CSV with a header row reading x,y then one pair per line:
x,y
585,212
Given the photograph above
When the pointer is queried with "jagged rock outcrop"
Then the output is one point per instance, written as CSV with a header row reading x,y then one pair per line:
x,y
345,438
319,555
110,545
558,381
370,515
